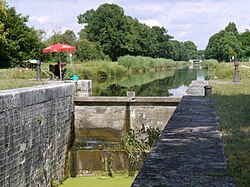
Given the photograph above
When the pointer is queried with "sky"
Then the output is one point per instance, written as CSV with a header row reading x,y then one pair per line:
x,y
185,20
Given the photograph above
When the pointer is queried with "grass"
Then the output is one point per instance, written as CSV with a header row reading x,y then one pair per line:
x,y
17,78
140,63
232,104
118,180
17,83
97,70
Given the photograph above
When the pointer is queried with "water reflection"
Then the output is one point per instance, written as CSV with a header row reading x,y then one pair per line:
x,y
178,92
167,83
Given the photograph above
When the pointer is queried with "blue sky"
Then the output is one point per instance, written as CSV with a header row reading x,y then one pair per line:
x,y
194,20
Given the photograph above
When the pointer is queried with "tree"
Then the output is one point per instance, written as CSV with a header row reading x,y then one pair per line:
x,y
3,15
179,51
121,35
231,27
245,41
3,33
157,42
87,50
191,49
201,54
135,40
67,37
224,44
230,46
22,42
107,26
213,48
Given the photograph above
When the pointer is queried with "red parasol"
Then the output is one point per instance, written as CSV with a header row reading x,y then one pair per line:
x,y
59,48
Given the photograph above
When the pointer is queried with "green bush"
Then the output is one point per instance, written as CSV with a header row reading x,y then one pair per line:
x,y
209,64
138,143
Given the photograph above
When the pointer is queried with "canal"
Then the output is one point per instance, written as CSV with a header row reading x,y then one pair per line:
x,y
165,83
97,148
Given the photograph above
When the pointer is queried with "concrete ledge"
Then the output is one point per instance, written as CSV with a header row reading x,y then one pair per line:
x,y
22,97
170,101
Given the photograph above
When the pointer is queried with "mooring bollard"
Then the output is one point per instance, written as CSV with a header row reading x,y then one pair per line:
x,y
83,88
236,64
38,71
131,95
208,90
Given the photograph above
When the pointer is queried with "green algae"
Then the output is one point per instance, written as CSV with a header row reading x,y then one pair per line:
x,y
99,181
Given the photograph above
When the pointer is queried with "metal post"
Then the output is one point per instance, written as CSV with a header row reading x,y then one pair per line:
x,y
38,71
60,70
236,64
208,90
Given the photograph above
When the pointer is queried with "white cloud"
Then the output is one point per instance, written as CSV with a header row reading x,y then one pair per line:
x,y
182,34
45,19
151,23
152,7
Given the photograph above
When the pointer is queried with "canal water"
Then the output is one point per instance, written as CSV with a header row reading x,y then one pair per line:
x,y
165,83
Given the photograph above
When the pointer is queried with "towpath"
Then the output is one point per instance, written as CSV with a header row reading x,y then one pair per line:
x,y
190,151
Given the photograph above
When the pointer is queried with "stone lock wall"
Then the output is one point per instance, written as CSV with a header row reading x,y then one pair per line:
x,y
34,132
114,116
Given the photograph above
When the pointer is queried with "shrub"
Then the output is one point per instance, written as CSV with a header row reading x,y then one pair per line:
x,y
209,64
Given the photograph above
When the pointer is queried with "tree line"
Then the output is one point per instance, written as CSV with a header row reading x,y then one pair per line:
x,y
108,34
229,44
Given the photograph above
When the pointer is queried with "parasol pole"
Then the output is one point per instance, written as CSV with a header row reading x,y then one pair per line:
x,y
70,57
60,68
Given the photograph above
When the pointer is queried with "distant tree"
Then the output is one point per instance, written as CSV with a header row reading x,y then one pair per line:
x,y
157,42
213,48
19,41
201,54
179,51
120,35
231,27
230,46
107,26
224,44
245,41
87,50
68,37
191,49
135,37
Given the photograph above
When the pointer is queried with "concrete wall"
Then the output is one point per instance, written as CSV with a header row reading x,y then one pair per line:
x,y
111,116
34,131
154,116
114,116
